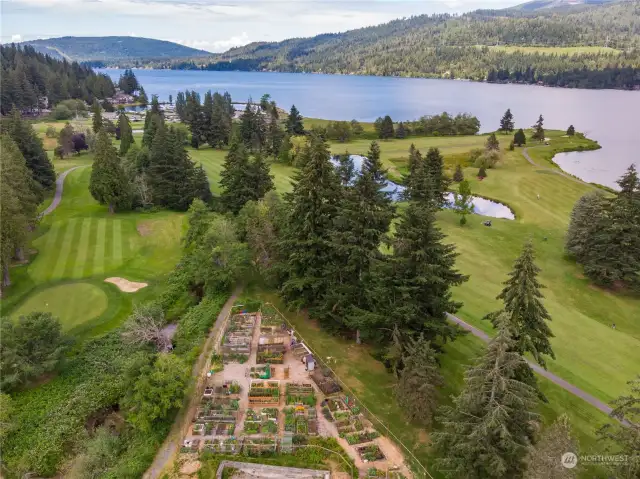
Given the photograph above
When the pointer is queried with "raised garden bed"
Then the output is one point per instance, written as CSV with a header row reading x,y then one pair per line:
x,y
222,446
270,357
370,452
360,437
259,446
301,394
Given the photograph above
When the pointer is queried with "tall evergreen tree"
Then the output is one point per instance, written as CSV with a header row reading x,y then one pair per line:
x,y
571,131
260,176
126,133
538,130
274,135
417,389
363,219
519,138
623,436
542,460
527,316
386,128
31,147
313,207
170,171
142,97
487,431
439,180
612,251
152,122
242,179
284,154
220,122
412,288
200,185
294,125
96,120
109,183
252,127
587,216
18,205
181,105
506,122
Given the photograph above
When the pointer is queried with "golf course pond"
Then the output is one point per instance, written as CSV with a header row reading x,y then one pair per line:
x,y
481,206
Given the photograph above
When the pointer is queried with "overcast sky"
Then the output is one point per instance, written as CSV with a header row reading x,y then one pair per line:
x,y
214,25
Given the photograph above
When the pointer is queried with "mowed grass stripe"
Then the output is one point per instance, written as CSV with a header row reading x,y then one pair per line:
x,y
65,249
117,242
83,249
98,254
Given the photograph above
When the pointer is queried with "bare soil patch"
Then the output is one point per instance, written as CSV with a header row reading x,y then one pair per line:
x,y
125,285
190,467
145,228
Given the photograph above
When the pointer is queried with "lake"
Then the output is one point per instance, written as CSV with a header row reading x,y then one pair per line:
x,y
608,116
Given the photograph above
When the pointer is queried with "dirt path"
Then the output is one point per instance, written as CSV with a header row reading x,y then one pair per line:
x,y
171,445
525,153
57,197
543,372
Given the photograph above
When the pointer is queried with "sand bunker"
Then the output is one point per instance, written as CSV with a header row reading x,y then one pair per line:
x,y
126,285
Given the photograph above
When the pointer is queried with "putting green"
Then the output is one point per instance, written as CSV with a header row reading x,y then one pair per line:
x,y
73,303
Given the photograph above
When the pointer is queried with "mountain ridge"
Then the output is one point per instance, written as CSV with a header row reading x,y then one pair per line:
x,y
113,48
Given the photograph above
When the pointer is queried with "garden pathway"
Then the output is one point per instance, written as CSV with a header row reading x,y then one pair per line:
x,y
170,447
543,372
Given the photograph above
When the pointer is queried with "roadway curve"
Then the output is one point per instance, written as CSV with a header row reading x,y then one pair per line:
x,y
57,197
543,372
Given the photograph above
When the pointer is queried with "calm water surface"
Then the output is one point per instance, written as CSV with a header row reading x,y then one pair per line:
x,y
608,116
481,206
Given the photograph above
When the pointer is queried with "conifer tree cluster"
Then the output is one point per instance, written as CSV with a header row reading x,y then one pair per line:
x,y
604,234
20,195
128,82
31,147
159,173
28,77
243,178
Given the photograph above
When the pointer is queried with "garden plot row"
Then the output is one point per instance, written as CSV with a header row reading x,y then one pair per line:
x,y
236,342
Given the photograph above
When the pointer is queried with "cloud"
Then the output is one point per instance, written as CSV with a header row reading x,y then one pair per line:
x,y
215,46
16,38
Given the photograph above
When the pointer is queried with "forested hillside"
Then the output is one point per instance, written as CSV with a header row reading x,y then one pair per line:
x,y
449,46
29,76
110,49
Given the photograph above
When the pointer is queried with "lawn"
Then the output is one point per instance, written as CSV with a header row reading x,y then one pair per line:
x,y
79,245
58,300
212,161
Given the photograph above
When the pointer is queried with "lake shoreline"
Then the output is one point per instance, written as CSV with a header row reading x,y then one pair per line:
x,y
365,98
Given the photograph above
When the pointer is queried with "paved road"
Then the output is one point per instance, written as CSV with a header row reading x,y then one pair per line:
x,y
543,372
525,153
171,445
57,197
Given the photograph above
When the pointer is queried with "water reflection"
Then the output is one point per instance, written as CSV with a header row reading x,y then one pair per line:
x,y
481,206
